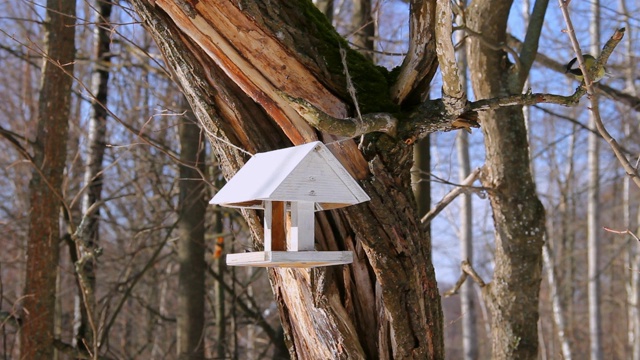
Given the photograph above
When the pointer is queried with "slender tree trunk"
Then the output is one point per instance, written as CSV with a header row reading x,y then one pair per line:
x,y
518,215
632,254
593,211
558,311
84,337
191,246
221,315
467,304
49,157
364,30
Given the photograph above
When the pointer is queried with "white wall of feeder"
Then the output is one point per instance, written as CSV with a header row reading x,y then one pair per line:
x,y
290,185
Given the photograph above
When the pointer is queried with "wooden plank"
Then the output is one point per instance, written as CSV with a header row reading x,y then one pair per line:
x,y
302,226
293,259
268,216
278,229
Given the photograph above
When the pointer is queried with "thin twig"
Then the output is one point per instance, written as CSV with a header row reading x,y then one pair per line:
x,y
467,270
588,76
623,232
447,199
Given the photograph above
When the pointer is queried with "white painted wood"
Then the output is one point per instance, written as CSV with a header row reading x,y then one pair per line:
x,y
307,172
302,235
296,259
268,220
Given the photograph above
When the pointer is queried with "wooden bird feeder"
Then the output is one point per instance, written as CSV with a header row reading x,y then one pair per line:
x,y
290,185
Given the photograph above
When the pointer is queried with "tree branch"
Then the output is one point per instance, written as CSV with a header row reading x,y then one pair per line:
x,y
590,74
447,199
531,39
467,270
453,93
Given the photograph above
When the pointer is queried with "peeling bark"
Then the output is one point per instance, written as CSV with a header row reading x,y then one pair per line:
x,y
390,290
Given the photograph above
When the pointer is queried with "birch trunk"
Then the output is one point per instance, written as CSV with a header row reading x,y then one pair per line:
x,y
85,306
593,217
556,303
467,303
632,255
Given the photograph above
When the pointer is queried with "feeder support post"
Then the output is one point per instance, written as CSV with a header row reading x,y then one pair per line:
x,y
274,226
302,236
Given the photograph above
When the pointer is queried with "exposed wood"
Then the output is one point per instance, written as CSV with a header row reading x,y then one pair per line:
x,y
277,227
314,314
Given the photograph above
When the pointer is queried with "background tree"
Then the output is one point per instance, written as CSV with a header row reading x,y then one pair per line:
x,y
49,156
138,271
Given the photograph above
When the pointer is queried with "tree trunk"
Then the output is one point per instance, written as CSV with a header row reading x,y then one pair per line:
x,y
558,311
386,304
593,211
49,156
84,337
191,245
632,256
467,306
363,28
518,215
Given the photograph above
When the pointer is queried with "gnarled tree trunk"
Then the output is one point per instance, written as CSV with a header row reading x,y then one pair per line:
x,y
234,60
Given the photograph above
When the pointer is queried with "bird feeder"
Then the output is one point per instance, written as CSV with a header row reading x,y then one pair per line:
x,y
290,185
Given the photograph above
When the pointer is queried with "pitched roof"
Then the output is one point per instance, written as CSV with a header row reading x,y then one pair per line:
x,y
306,172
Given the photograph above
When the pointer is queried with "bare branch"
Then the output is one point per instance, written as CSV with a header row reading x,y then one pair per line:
x,y
447,199
453,92
350,127
623,232
467,270
531,40
615,39
420,63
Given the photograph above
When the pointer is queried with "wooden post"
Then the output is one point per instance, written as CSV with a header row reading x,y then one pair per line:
x,y
302,226
274,226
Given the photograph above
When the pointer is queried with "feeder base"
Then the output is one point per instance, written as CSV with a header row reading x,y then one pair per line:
x,y
294,259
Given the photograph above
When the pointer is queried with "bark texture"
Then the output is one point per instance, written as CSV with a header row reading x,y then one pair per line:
x,y
49,155
512,296
191,245
233,59
85,305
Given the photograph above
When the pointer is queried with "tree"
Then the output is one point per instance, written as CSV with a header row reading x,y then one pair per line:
x,y
191,246
518,215
406,315
593,212
93,177
49,157
293,89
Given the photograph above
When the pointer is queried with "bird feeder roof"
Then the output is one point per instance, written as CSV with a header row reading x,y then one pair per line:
x,y
306,172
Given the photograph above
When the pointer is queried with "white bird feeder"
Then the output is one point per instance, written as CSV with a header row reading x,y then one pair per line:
x,y
298,180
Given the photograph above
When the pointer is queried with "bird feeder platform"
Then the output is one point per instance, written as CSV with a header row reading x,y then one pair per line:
x,y
290,185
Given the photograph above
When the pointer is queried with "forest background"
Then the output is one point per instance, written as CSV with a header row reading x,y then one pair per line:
x,y
156,164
